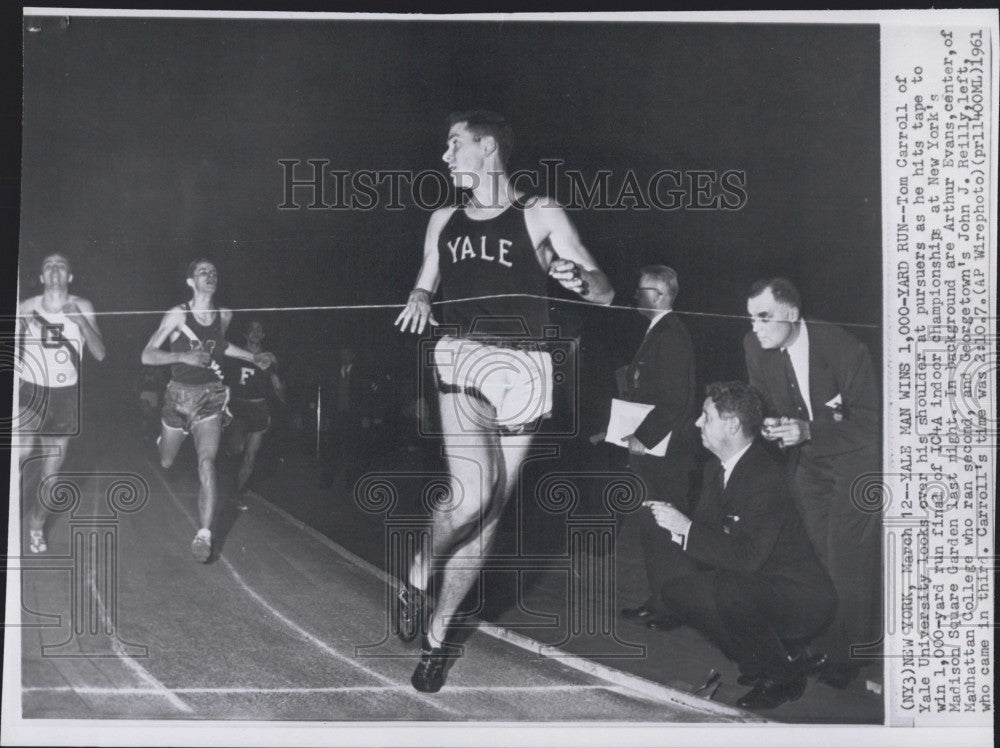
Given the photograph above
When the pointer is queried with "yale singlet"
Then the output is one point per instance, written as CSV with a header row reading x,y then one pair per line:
x,y
484,258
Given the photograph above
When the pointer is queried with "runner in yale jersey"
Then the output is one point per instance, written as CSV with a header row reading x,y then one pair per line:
x,y
494,376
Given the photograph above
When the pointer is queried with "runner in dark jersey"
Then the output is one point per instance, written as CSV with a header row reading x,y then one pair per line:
x,y
196,397
53,330
250,385
493,376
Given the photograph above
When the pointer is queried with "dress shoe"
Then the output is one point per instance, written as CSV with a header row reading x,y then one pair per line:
x,y
412,607
768,694
838,675
433,666
664,622
638,614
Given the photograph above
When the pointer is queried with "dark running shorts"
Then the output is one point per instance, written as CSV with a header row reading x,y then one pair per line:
x,y
251,416
48,411
187,404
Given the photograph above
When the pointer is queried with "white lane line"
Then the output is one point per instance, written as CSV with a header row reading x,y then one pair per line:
x,y
618,680
144,675
155,686
112,691
293,625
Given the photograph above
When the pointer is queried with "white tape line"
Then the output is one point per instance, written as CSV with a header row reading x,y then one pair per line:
x,y
362,307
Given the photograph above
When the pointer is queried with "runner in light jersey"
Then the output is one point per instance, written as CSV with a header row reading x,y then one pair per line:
x,y
54,329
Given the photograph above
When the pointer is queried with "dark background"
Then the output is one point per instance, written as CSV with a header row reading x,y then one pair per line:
x,y
148,142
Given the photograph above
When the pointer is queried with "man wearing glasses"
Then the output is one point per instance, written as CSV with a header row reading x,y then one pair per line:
x,y
662,375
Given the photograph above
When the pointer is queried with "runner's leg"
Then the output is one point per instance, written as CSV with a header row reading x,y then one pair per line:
x,y
250,450
207,433
169,444
54,451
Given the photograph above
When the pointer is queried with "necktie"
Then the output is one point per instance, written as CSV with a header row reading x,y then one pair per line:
x,y
798,402
717,479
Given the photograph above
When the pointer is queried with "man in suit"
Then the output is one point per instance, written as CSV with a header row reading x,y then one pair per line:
x,y
742,569
661,374
347,398
822,407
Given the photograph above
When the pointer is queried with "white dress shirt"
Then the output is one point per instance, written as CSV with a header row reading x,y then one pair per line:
x,y
728,465
798,352
657,318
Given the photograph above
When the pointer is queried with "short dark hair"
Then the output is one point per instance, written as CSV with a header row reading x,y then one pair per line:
x,y
69,263
741,400
483,122
196,262
250,323
782,289
667,275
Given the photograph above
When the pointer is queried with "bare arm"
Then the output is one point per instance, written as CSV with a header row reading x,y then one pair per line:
x,y
574,267
417,312
82,313
21,323
154,355
261,360
279,387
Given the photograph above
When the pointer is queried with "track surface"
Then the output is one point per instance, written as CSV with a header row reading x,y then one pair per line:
x,y
279,626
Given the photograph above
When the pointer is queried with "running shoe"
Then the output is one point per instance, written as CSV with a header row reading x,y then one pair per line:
x,y
36,541
433,666
201,548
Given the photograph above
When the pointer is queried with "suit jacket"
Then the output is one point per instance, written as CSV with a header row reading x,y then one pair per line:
x,y
752,526
359,392
662,375
839,364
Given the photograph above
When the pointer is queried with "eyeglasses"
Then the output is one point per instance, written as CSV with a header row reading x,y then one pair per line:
x,y
647,288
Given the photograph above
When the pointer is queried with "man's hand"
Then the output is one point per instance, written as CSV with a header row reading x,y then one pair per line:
x,y
264,360
635,446
669,517
788,432
597,438
570,276
196,358
416,313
